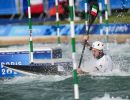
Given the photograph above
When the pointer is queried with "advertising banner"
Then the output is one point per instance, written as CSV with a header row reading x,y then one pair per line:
x,y
13,58
48,30
22,58
19,58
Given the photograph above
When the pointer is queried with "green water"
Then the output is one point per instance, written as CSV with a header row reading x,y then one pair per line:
x,y
90,87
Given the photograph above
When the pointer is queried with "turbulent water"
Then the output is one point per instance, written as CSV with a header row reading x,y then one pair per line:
x,y
112,86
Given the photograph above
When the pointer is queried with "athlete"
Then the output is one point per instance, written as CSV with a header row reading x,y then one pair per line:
x,y
103,62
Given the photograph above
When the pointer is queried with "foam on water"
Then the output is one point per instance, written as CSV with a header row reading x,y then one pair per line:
x,y
108,97
116,72
40,78
119,48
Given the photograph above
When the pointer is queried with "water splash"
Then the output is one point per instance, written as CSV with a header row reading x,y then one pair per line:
x,y
38,78
115,72
108,97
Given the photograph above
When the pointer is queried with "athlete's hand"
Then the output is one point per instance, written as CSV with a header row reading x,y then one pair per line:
x,y
79,71
85,40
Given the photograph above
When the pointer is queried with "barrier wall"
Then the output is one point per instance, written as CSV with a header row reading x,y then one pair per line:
x,y
114,4
22,58
14,58
46,30
8,7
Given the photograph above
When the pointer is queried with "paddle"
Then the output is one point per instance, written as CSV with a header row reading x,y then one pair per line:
x,y
93,12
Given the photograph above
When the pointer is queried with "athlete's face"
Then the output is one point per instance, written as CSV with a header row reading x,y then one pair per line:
x,y
95,52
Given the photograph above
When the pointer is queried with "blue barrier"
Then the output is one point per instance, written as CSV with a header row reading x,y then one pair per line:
x,y
13,59
8,7
47,30
120,4
22,58
51,3
114,4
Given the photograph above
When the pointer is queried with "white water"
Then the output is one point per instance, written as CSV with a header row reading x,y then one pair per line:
x,y
108,97
38,78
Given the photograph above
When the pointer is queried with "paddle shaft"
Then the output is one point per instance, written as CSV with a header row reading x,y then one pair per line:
x,y
82,55
91,19
81,58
